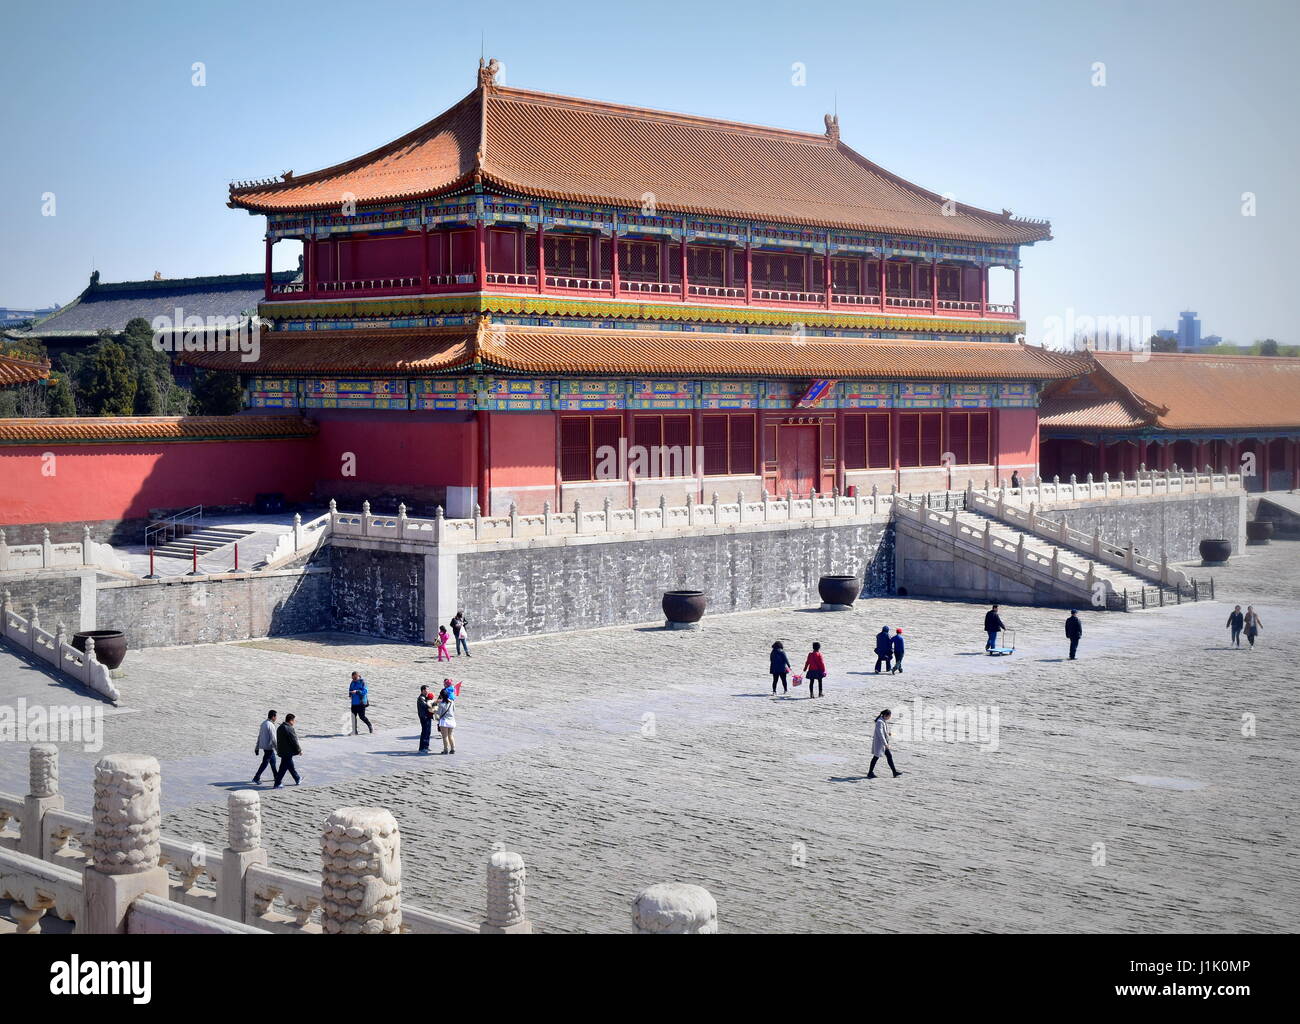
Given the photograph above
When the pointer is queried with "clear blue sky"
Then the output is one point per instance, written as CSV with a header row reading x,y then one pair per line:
x,y
992,102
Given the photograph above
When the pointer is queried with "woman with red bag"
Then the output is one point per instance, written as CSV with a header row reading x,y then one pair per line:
x,y
814,667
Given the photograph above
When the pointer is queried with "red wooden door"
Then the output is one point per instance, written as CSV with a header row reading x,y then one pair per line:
x,y
796,460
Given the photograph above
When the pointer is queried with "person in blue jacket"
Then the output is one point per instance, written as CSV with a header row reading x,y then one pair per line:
x,y
897,644
884,649
779,666
360,695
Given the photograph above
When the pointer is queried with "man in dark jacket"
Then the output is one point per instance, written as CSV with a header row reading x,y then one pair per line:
x,y
1236,622
992,626
1073,630
897,643
424,708
884,649
286,741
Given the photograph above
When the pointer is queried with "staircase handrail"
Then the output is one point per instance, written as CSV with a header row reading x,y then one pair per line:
x,y
170,525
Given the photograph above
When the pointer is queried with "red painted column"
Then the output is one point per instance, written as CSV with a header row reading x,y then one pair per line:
x,y
749,274
484,463
807,273
613,264
1017,299
883,288
541,266
984,291
685,270
829,282
269,243
934,285
1295,463
893,428
480,244
424,257
309,266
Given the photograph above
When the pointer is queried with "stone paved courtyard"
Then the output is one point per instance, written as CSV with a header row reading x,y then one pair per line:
x,y
615,758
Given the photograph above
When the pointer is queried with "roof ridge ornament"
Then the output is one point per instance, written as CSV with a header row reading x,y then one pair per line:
x,y
832,127
487,73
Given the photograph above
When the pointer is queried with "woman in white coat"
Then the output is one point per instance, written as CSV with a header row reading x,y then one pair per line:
x,y
446,713
880,745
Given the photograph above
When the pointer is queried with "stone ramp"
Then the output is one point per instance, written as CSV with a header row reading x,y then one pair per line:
x,y
1283,507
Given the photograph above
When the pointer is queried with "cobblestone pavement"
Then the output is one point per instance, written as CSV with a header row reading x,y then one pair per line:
x,y
615,758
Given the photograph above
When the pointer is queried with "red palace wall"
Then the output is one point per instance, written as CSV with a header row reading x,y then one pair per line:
x,y
522,455
1017,441
103,482
411,457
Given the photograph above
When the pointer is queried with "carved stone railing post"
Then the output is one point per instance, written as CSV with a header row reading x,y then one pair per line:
x,y
674,908
1020,549
690,510
401,520
243,850
636,514
334,515
439,525
546,519
789,503
478,520
1056,562
42,795
365,518
297,530
361,873
663,511
875,500
717,510
47,550
740,506
609,522
765,504
124,843
507,913
4,552
514,519
87,545
577,516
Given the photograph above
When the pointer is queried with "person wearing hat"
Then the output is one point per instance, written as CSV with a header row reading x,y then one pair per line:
x,y
1073,630
424,707
896,644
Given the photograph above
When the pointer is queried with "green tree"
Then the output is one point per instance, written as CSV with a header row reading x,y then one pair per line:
x,y
216,394
1159,344
58,397
1268,347
110,386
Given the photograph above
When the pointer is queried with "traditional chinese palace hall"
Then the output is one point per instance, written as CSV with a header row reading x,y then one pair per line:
x,y
527,280
1184,411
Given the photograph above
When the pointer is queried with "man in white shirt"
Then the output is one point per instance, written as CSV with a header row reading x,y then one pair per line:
x,y
266,746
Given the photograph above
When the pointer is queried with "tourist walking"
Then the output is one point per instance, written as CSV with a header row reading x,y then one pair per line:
x,y
814,668
779,666
459,630
266,746
1073,630
884,649
424,709
1253,624
446,713
880,745
992,626
360,695
897,644
1015,480
1236,622
443,637
286,742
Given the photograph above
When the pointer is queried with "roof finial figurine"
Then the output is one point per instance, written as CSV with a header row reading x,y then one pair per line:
x,y
487,72
833,127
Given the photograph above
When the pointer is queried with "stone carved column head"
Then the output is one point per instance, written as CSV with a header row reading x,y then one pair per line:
x,y
244,820
674,908
361,872
126,820
506,878
43,769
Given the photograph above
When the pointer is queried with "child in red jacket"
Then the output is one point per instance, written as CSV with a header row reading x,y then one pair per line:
x,y
815,669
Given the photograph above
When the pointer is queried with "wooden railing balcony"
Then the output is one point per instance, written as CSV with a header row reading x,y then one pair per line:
x,y
654,287
729,294
782,295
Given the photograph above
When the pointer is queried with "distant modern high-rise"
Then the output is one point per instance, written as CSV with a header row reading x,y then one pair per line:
x,y
1189,331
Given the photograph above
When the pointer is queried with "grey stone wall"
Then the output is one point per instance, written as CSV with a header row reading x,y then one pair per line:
x,y
379,593
163,614
927,570
575,583
61,595
1173,525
